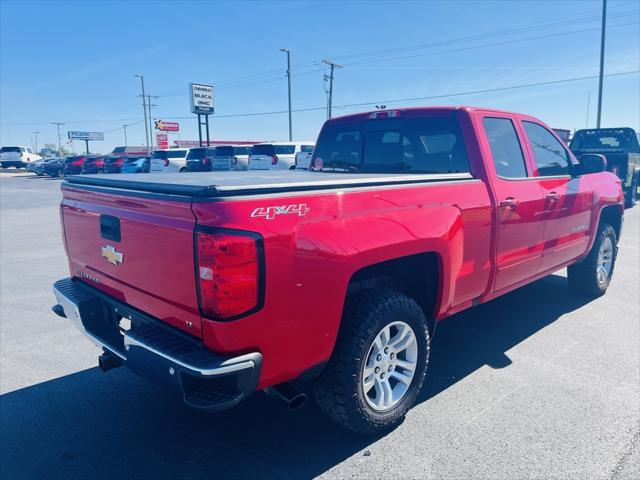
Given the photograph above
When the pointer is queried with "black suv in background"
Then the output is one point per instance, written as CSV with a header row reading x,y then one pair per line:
x,y
198,161
73,165
621,148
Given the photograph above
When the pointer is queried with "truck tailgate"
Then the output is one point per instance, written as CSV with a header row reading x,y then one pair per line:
x,y
138,250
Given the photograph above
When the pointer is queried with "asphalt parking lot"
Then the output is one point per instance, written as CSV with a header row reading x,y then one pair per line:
x,y
537,384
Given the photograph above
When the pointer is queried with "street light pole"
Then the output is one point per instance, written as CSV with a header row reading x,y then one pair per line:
x,y
150,123
286,50
36,134
126,144
333,66
604,24
144,106
59,145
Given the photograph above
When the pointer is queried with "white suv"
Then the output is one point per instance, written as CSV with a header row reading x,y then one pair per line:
x,y
18,157
276,155
174,160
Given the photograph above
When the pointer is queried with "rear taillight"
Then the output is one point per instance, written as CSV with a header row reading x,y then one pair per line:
x,y
78,163
205,160
274,159
229,271
166,162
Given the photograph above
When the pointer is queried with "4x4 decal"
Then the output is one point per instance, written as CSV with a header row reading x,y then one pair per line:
x,y
270,213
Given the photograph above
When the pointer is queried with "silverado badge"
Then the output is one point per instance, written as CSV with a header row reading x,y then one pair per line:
x,y
113,256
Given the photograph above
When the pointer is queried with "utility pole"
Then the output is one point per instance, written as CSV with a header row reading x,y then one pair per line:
x,y
126,144
586,123
150,123
604,24
286,50
144,106
36,134
333,67
59,145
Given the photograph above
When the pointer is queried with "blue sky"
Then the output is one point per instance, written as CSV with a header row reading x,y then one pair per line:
x,y
74,62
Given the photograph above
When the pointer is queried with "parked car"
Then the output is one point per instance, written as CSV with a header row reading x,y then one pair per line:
x,y
174,160
18,157
93,165
113,164
303,157
35,166
54,167
621,148
136,165
275,156
228,157
73,165
332,276
197,159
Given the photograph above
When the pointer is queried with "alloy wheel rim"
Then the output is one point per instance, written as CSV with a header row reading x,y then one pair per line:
x,y
390,366
605,260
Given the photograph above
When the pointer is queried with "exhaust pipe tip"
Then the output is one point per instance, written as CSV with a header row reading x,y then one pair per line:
x,y
290,395
108,361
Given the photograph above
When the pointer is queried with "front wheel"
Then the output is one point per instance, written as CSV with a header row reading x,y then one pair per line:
x,y
379,363
592,275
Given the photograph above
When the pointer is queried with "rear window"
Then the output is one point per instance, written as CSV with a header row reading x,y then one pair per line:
x,y
223,152
285,149
164,154
606,139
10,150
306,148
393,145
196,154
73,159
119,150
243,150
266,149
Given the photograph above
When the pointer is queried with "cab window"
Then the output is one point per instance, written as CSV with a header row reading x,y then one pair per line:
x,y
506,151
551,157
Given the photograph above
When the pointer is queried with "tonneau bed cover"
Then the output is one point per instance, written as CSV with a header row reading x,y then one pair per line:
x,y
224,184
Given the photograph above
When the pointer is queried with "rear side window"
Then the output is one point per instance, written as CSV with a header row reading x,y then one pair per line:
x,y
10,150
550,156
285,149
505,147
413,145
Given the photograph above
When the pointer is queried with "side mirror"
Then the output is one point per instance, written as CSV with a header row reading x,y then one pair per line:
x,y
592,163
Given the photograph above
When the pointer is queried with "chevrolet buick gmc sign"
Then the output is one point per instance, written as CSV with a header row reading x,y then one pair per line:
x,y
201,99
86,135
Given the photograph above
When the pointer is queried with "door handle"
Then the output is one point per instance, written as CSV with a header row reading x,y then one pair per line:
x,y
552,197
509,202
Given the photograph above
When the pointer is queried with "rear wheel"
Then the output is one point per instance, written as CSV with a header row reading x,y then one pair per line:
x,y
379,363
593,274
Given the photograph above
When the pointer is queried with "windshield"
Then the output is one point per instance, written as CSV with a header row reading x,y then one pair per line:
x,y
392,145
164,154
223,152
196,154
604,139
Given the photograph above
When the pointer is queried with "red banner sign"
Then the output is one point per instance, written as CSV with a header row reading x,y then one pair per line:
x,y
162,141
167,126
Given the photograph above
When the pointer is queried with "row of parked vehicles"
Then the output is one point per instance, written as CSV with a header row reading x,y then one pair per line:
x,y
263,156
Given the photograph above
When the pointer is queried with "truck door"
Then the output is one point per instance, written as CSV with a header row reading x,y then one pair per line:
x,y
519,203
569,201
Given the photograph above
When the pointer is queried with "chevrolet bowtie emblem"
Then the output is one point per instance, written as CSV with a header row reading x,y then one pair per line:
x,y
112,255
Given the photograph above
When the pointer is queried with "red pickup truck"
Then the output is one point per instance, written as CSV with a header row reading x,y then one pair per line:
x,y
221,284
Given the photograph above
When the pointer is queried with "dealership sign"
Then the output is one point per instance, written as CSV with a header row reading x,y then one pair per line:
x,y
162,141
201,99
167,126
86,135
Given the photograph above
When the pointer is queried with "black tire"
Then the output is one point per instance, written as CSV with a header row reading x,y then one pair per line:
x,y
583,276
631,195
339,390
